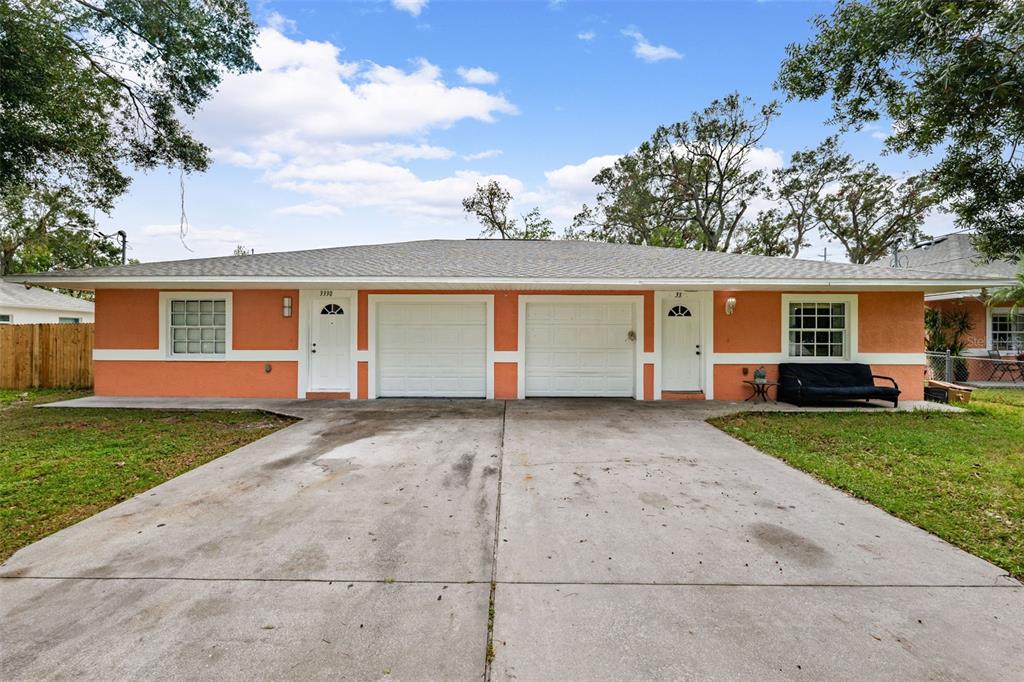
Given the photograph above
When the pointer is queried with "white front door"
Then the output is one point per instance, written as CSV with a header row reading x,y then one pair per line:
x,y
431,349
680,350
580,348
330,338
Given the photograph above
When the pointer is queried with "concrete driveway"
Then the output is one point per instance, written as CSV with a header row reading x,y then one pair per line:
x,y
624,540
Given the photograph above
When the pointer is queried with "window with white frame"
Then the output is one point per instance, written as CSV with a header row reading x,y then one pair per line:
x,y
69,320
818,329
1007,331
6,319
198,326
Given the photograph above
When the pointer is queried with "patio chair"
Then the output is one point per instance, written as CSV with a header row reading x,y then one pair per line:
x,y
1004,368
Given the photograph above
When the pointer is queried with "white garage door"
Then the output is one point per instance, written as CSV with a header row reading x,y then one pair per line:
x,y
579,349
431,350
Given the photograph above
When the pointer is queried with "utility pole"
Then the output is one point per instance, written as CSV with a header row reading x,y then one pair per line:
x,y
122,238
824,254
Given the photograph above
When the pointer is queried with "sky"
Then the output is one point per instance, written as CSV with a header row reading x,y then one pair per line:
x,y
370,121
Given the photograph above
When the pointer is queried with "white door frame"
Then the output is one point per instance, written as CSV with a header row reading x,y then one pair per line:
x,y
307,299
638,328
371,320
693,303
706,318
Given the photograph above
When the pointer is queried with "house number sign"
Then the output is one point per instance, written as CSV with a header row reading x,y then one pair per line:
x,y
327,292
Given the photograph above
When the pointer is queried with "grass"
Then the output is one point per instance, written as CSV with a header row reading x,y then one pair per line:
x,y
59,466
959,476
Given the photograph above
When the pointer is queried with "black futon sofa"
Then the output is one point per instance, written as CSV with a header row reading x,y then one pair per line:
x,y
806,382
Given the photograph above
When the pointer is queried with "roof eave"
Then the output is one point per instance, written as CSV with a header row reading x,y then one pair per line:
x,y
222,282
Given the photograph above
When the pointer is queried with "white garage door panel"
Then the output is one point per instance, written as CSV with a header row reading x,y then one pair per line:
x,y
431,349
579,349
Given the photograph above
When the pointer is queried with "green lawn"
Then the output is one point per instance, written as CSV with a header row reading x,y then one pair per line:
x,y
59,466
959,476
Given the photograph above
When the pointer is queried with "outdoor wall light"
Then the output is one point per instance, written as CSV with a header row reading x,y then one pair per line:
x,y
286,306
730,305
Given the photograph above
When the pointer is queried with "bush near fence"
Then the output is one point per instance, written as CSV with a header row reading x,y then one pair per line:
x,y
46,355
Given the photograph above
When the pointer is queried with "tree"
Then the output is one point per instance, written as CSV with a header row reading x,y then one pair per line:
x,y
92,88
768,235
489,203
1013,295
948,76
689,185
49,230
871,212
799,186
242,250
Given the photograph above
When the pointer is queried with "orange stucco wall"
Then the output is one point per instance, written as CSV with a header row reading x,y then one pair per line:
x,y
729,380
648,381
127,318
258,323
755,325
180,378
977,314
891,322
506,321
506,380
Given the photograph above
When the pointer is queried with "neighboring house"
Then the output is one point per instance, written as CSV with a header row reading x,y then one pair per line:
x,y
995,328
497,319
34,305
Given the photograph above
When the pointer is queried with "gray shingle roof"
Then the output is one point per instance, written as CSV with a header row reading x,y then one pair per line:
x,y
954,253
17,296
502,260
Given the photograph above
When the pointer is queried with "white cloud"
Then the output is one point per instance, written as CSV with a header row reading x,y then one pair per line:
x,y
368,184
413,7
279,22
342,132
578,178
485,154
477,75
224,235
764,158
644,50
586,36
306,92
313,210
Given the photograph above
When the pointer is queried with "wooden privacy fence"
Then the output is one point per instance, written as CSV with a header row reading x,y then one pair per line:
x,y
46,355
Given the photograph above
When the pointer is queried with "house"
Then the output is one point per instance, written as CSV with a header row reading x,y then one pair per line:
x,y
32,305
995,328
497,319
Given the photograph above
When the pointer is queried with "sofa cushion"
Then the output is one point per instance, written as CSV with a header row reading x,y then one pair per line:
x,y
831,374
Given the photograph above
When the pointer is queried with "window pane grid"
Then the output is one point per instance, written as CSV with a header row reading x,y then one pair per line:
x,y
1008,332
817,329
198,326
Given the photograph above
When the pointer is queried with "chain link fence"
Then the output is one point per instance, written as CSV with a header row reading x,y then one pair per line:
x,y
976,370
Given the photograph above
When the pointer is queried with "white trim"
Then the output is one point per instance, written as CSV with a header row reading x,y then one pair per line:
x,y
990,313
852,327
638,327
165,299
454,297
154,354
506,355
953,295
777,358
706,318
308,299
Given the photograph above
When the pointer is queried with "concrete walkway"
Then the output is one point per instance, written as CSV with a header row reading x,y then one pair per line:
x,y
623,540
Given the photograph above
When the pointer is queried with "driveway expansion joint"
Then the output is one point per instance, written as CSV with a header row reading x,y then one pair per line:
x,y
538,583
489,651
